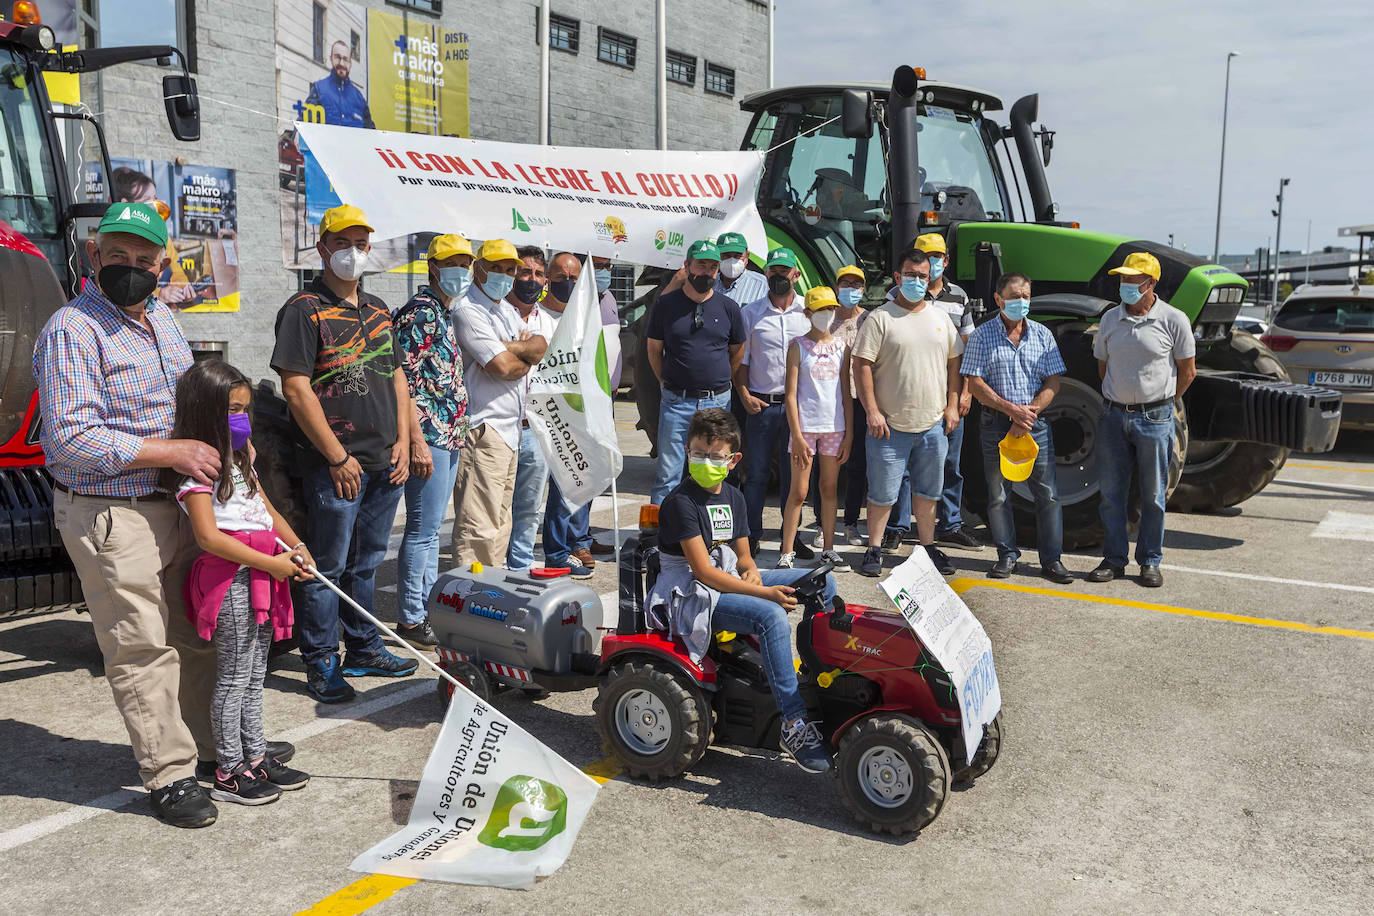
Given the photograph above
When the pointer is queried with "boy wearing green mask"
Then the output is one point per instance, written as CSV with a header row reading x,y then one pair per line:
x,y
708,581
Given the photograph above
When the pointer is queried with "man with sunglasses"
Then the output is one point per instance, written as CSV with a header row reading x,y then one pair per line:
x,y
695,342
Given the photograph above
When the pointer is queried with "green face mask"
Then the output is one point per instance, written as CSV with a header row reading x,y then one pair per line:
x,y
709,473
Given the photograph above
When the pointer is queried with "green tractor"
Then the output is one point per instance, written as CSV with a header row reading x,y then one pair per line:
x,y
853,173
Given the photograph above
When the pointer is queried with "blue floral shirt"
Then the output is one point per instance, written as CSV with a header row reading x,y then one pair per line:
x,y
434,369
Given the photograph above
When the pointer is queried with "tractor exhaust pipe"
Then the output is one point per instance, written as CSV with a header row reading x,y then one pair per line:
x,y
1023,113
903,163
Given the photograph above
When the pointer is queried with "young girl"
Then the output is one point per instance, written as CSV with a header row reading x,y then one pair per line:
x,y
238,591
819,407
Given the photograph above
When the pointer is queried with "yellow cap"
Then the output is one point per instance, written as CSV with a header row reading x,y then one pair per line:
x,y
496,250
932,243
344,216
446,246
821,297
849,270
1140,263
1018,454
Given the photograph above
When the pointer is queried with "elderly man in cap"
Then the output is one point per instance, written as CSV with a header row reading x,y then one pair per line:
x,y
736,280
433,366
498,352
695,342
1145,356
351,413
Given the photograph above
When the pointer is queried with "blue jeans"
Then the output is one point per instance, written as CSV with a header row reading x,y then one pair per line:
x,y
564,532
674,417
921,455
348,538
417,566
948,516
765,437
1139,443
1049,519
531,473
768,621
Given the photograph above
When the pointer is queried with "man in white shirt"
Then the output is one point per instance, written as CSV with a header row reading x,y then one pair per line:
x,y
497,355
531,473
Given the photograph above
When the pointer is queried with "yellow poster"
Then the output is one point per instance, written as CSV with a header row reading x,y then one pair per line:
x,y
417,75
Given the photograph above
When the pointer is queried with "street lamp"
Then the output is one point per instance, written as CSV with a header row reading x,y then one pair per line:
x,y
1278,230
1225,109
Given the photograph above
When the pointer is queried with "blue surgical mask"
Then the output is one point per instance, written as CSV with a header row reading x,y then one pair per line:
x,y
1130,293
603,280
497,286
937,268
1016,309
913,289
849,296
454,281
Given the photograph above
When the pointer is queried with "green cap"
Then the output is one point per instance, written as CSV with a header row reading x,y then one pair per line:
x,y
141,220
704,250
732,243
781,257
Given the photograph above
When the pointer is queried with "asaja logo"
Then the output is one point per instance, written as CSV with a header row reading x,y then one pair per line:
x,y
131,213
611,228
522,223
527,813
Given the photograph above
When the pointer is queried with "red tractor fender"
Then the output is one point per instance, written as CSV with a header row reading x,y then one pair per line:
x,y
29,294
900,709
655,647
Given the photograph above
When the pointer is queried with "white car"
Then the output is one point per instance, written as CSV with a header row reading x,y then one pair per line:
x,y
1324,335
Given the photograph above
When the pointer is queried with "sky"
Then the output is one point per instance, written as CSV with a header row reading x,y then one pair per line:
x,y
1134,91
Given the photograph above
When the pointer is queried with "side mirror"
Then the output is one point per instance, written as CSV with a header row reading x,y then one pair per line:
x,y
183,106
1046,143
856,114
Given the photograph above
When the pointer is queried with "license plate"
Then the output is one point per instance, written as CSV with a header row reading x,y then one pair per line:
x,y
1344,379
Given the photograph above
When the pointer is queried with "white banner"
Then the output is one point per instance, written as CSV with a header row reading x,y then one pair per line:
x,y
642,206
570,409
953,636
495,806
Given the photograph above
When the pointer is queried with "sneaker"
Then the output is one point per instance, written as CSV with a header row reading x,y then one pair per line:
x,y
420,635
892,540
785,561
380,664
280,751
958,538
801,549
942,563
831,556
578,571
276,773
803,741
243,787
325,682
873,562
184,804
851,534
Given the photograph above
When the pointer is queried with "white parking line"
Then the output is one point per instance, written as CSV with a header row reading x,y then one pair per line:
x,y
1252,577
1347,526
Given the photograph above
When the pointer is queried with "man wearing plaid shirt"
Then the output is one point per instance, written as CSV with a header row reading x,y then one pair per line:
x,y
1012,366
107,365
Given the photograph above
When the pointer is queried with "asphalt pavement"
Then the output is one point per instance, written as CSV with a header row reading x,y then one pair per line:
x,y
1202,747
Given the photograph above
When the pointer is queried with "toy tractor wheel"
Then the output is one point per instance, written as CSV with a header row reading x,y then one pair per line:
x,y
652,720
988,751
894,774
472,676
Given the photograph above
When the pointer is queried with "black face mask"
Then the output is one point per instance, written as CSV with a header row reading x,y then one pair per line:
x,y
562,290
527,291
701,282
779,285
126,285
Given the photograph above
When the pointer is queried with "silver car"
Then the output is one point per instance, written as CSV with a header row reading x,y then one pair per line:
x,y
1324,335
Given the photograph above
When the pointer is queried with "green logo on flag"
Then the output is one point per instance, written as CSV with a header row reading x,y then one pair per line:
x,y
518,221
528,812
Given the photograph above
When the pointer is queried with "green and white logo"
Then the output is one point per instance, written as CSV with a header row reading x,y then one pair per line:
x,y
527,813
518,221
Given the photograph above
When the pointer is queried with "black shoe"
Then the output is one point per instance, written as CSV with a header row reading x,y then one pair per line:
x,y
873,562
1106,572
243,787
280,751
420,635
754,547
280,775
379,664
1002,569
958,538
892,540
184,804
1056,572
1151,577
800,548
942,563
803,742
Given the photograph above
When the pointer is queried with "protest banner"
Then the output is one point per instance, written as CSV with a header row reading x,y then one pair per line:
x,y
953,636
640,206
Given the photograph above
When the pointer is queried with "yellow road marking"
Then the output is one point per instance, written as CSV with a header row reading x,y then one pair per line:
x,y
1329,467
962,585
365,893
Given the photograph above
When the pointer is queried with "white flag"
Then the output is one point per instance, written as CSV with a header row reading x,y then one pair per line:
x,y
570,401
494,807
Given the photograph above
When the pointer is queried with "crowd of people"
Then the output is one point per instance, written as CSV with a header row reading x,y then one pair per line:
x,y
189,570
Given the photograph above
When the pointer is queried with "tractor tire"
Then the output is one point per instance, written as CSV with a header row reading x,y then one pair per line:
x,y
1222,474
989,749
893,773
652,720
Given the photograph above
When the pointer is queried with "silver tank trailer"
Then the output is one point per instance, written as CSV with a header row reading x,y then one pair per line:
x,y
512,618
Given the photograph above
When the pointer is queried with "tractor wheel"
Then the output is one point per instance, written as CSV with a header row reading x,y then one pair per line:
x,y
652,720
1222,474
473,677
988,751
893,773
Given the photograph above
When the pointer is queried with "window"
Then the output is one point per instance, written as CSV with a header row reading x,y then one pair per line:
x,y
425,6
720,80
682,68
615,48
317,34
147,22
565,33
355,45
1332,314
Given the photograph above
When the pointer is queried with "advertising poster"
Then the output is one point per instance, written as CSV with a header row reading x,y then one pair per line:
x,y
346,66
202,230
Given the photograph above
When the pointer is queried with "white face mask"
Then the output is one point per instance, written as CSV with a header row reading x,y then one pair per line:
x,y
348,263
822,321
732,267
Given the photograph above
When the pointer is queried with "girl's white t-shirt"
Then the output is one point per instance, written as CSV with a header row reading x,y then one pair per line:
x,y
241,512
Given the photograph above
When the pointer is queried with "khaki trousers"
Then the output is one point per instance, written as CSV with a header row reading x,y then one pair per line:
x,y
482,494
132,559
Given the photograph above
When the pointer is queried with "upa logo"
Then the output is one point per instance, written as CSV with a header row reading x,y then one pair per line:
x,y
527,813
660,239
